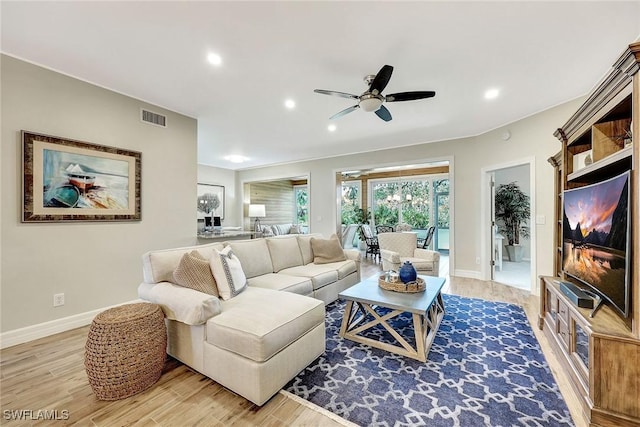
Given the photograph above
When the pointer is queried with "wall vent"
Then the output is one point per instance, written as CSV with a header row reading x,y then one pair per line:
x,y
153,118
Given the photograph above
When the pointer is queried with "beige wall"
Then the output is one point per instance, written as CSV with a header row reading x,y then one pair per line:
x,y
94,264
531,137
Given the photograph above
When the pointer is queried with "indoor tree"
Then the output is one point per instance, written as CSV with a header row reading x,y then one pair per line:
x,y
513,211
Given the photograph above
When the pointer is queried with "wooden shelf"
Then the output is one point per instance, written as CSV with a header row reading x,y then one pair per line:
x,y
600,354
595,167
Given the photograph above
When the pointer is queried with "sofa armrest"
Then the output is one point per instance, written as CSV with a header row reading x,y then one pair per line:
x,y
179,303
352,254
391,256
390,260
433,257
427,254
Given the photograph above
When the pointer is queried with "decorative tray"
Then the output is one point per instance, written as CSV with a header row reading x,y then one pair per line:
x,y
411,287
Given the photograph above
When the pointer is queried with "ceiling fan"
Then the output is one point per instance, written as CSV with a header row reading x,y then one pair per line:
x,y
372,98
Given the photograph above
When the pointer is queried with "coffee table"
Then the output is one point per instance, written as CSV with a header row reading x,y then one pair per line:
x,y
367,297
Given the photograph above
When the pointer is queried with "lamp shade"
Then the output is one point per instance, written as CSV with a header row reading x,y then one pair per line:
x,y
257,211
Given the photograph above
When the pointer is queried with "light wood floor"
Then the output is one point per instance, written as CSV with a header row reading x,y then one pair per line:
x,y
48,374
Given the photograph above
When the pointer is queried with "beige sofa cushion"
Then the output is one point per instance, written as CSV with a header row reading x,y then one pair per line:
x,y
259,323
320,274
304,241
344,268
158,266
284,252
253,255
283,282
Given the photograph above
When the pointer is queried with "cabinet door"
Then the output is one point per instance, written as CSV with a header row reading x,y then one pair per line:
x,y
580,349
563,332
551,305
563,325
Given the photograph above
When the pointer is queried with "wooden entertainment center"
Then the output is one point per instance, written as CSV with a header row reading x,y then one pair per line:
x,y
601,354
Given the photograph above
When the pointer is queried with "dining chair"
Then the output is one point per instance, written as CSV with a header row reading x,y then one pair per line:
x,y
426,242
373,247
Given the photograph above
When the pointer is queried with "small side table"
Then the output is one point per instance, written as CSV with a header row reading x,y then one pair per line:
x,y
125,350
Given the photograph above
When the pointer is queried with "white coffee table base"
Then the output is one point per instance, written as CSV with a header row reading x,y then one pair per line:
x,y
425,327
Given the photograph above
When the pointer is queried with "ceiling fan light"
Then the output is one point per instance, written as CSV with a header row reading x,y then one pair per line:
x,y
370,104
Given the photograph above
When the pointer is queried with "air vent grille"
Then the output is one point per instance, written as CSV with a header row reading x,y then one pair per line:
x,y
153,118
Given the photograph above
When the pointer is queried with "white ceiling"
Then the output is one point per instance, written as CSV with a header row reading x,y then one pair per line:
x,y
539,54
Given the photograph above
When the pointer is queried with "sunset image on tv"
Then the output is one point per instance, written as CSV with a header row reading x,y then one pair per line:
x,y
595,234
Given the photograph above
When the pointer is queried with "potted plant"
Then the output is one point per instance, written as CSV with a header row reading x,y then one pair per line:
x,y
513,210
361,217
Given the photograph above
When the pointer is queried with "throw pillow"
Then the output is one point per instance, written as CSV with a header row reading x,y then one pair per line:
x,y
193,271
295,229
280,229
327,250
228,273
266,231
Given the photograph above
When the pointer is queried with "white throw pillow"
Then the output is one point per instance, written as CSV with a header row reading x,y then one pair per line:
x,y
228,273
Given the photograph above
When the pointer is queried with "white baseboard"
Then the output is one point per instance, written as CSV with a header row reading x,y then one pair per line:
x,y
471,274
52,327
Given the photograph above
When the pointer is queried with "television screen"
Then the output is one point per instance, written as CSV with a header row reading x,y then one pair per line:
x,y
595,233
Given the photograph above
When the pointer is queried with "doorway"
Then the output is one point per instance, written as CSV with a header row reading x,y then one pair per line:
x,y
410,198
496,262
442,217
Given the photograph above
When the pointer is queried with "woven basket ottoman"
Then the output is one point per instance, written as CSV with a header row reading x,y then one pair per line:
x,y
125,350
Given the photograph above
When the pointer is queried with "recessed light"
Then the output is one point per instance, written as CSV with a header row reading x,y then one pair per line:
x,y
214,59
234,158
290,104
491,94
332,128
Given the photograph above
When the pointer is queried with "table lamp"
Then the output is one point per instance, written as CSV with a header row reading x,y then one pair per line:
x,y
257,211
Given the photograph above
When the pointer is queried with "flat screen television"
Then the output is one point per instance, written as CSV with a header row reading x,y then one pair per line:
x,y
596,239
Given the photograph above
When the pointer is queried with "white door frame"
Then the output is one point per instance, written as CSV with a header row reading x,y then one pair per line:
x,y
485,217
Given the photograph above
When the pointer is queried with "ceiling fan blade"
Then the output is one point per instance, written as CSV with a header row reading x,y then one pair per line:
x,y
409,96
334,93
381,79
383,113
345,111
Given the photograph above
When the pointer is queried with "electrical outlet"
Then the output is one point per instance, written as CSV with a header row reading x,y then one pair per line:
x,y
478,260
58,300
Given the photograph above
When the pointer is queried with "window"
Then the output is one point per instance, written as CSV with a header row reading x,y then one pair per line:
x,y
418,201
350,202
301,195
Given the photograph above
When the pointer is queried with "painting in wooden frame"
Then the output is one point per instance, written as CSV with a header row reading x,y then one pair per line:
x,y
210,201
68,180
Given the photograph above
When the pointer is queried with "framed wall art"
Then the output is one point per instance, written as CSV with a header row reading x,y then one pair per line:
x,y
67,180
210,201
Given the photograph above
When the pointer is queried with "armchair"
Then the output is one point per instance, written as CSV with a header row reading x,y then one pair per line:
x,y
396,248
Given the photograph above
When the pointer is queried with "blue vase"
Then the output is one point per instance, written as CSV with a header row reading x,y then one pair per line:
x,y
407,272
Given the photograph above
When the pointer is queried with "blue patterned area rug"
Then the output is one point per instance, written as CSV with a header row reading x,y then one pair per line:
x,y
485,368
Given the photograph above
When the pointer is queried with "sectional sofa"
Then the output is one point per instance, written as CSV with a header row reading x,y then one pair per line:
x,y
258,340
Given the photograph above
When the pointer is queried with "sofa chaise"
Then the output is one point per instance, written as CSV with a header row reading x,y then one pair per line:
x,y
258,340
